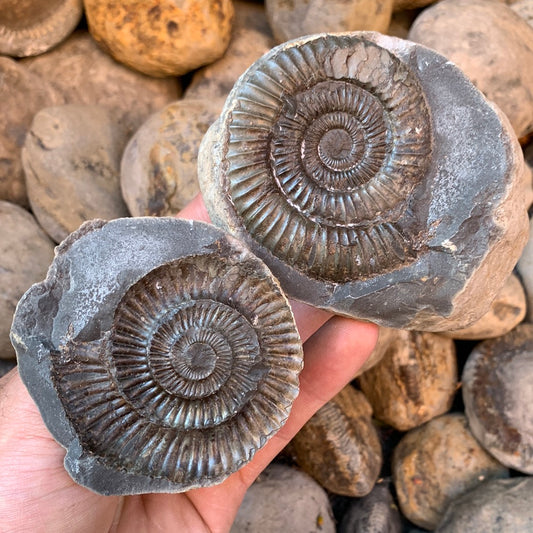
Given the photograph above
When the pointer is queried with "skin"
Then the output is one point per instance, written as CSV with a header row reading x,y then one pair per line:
x,y
37,495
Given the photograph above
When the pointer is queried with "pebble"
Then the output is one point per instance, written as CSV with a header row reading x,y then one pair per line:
x,y
158,170
437,462
375,513
85,74
491,44
498,395
339,446
72,163
497,506
25,254
161,37
506,312
251,37
34,26
296,18
22,94
284,499
415,381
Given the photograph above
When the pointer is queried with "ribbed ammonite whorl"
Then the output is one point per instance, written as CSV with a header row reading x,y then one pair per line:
x,y
166,351
335,161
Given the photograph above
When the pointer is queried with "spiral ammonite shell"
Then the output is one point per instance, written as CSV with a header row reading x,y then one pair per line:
x,y
326,162
170,368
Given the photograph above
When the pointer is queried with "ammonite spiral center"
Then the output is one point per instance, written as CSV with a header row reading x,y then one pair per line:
x,y
337,149
196,361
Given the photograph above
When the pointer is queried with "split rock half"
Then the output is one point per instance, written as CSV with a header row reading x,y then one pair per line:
x,y
161,354
372,177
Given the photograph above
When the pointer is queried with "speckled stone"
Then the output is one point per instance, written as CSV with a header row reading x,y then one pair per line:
x,y
251,37
415,381
437,462
71,160
506,312
339,446
284,499
29,27
497,506
159,165
161,37
491,44
498,395
85,74
295,18
25,254
22,94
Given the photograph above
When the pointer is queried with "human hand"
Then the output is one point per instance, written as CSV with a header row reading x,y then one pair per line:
x,y
37,494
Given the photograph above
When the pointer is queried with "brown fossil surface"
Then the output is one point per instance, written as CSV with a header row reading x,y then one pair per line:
x,y
158,172
161,353
497,394
339,161
161,37
415,380
30,27
339,446
436,463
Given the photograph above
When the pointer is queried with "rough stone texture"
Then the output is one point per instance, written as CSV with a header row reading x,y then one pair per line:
x,y
29,27
22,94
251,37
296,18
506,312
339,446
498,506
375,513
524,9
25,254
436,463
525,270
468,206
415,380
162,37
158,172
284,499
85,74
497,394
491,44
71,159
141,349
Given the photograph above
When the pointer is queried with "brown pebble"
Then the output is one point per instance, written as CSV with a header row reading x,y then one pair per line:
x,y
297,18
498,395
72,159
414,382
158,170
22,94
87,75
506,312
29,27
437,462
161,37
339,446
25,254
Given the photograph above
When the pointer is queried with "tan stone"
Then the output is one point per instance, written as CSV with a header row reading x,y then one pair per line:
x,y
87,75
492,45
159,165
339,446
295,18
161,37
25,254
434,464
506,312
414,382
22,94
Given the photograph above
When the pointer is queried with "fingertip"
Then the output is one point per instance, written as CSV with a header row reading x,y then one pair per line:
x,y
195,210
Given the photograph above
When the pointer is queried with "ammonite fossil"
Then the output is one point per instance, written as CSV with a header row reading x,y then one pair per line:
x,y
30,27
161,353
372,177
